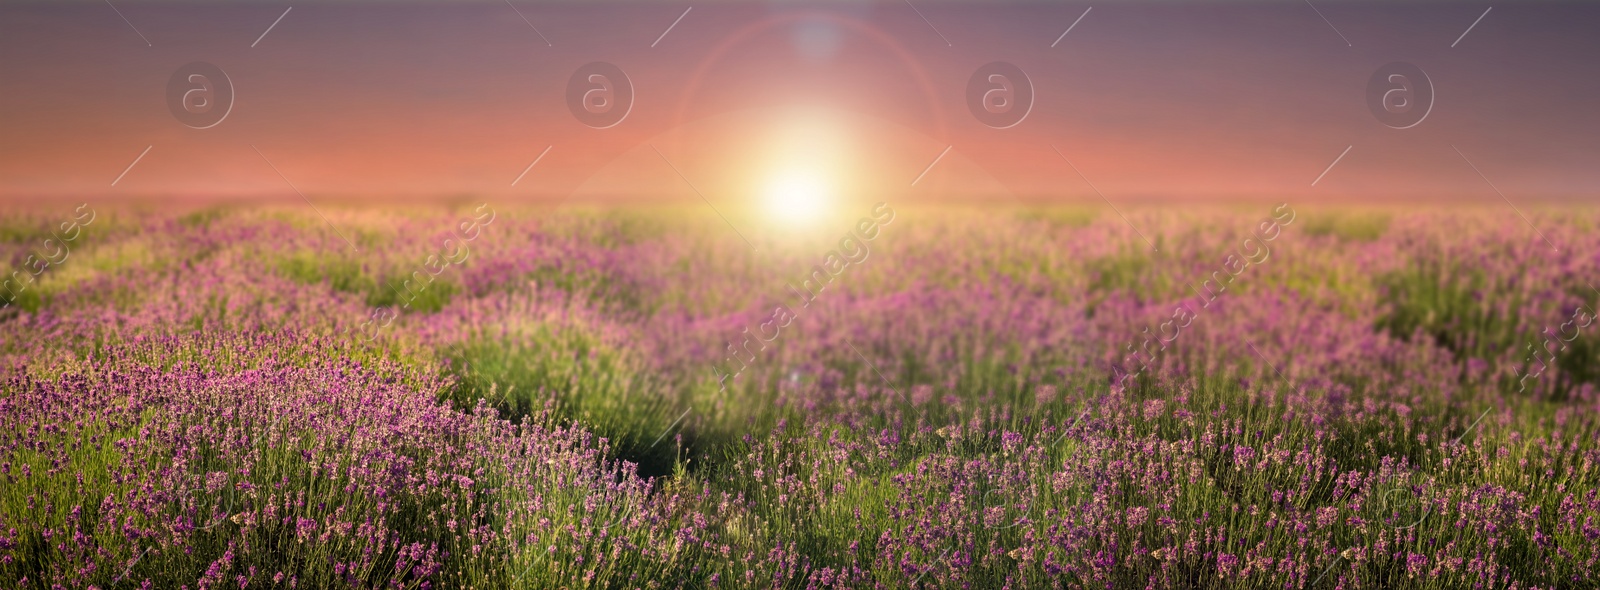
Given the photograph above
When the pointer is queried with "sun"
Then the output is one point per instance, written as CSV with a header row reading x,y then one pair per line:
x,y
805,159
797,196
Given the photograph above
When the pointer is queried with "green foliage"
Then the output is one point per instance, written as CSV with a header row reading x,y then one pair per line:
x,y
340,274
595,284
1360,227
1443,301
1131,272
428,297
1061,217
346,275
29,300
590,382
1446,302
203,218
1127,271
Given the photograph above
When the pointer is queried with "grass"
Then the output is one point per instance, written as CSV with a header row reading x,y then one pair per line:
x,y
1358,226
420,291
589,382
1446,302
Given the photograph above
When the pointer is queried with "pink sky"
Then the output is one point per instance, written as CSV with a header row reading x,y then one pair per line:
x,y
1152,100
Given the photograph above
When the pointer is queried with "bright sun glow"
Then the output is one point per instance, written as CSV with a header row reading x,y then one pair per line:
x,y
797,197
804,167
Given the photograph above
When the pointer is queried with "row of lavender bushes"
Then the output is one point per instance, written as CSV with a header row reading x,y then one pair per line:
x,y
200,401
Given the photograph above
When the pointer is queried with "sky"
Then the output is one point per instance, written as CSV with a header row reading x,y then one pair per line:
x,y
1136,101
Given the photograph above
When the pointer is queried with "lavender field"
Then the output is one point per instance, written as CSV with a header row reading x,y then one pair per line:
x,y
1260,396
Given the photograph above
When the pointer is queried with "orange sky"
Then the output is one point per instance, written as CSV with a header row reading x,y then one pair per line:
x,y
1149,100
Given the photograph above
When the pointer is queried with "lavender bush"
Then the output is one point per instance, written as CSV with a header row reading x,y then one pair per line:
x,y
236,398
